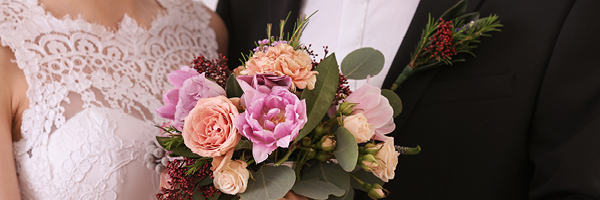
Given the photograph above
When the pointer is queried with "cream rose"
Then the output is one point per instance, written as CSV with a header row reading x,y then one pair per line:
x,y
387,157
230,176
358,125
208,130
284,60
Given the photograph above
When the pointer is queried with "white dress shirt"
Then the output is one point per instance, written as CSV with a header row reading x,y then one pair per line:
x,y
347,25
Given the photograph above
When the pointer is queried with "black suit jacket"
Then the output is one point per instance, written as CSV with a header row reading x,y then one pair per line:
x,y
519,121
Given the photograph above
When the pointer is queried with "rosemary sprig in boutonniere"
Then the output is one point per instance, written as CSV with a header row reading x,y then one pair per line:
x,y
445,40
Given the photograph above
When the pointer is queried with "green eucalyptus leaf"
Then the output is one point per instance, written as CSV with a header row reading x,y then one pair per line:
x,y
346,151
367,177
224,196
329,172
348,196
316,189
214,197
361,63
394,100
318,100
270,183
205,181
232,87
457,10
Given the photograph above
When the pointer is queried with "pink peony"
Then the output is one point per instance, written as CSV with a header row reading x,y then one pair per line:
x,y
284,60
376,109
271,120
208,130
190,86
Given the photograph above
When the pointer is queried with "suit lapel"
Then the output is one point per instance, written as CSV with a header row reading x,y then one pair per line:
x,y
411,91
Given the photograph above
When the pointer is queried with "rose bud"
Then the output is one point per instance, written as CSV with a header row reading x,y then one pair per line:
x,y
368,162
347,108
327,144
376,192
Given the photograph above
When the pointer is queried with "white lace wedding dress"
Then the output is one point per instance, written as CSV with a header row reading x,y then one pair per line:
x,y
93,93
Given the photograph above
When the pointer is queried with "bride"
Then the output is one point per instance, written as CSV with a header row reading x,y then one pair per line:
x,y
81,81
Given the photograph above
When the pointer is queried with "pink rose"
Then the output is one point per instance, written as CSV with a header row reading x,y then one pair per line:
x,y
376,109
208,130
283,60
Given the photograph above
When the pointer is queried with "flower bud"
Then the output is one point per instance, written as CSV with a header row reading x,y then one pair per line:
x,y
320,131
311,154
372,149
347,108
327,143
306,141
322,156
376,192
368,161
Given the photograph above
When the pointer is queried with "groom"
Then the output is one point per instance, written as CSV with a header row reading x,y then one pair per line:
x,y
519,121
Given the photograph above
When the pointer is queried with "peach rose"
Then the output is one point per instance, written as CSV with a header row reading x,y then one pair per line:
x,y
358,125
230,176
208,130
387,157
284,60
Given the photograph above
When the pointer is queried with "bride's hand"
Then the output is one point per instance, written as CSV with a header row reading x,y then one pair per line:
x,y
293,196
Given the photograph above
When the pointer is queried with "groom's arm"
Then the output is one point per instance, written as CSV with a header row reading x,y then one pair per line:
x,y
565,140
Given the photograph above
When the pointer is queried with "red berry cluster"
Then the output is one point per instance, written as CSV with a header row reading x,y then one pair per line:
x,y
216,70
441,45
183,186
343,90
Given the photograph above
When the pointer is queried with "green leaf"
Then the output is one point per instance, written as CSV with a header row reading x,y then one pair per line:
x,y
318,100
232,88
329,172
224,196
243,144
270,183
362,62
214,197
457,10
348,196
316,189
205,181
184,151
394,100
367,177
178,148
346,151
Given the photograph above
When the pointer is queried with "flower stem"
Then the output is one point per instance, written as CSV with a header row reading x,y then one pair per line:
x,y
287,155
356,179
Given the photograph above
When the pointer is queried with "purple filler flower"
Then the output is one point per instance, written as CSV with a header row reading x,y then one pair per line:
x,y
271,120
190,86
264,82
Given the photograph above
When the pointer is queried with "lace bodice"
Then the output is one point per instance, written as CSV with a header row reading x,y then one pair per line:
x,y
92,94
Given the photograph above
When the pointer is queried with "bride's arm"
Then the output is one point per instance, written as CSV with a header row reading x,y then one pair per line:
x,y
10,98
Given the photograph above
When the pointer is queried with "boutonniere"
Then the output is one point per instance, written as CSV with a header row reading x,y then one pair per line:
x,y
444,41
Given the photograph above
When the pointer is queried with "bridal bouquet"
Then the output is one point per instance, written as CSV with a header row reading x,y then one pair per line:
x,y
283,121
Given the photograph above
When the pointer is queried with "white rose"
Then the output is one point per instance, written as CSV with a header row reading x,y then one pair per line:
x,y
358,125
232,177
387,157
